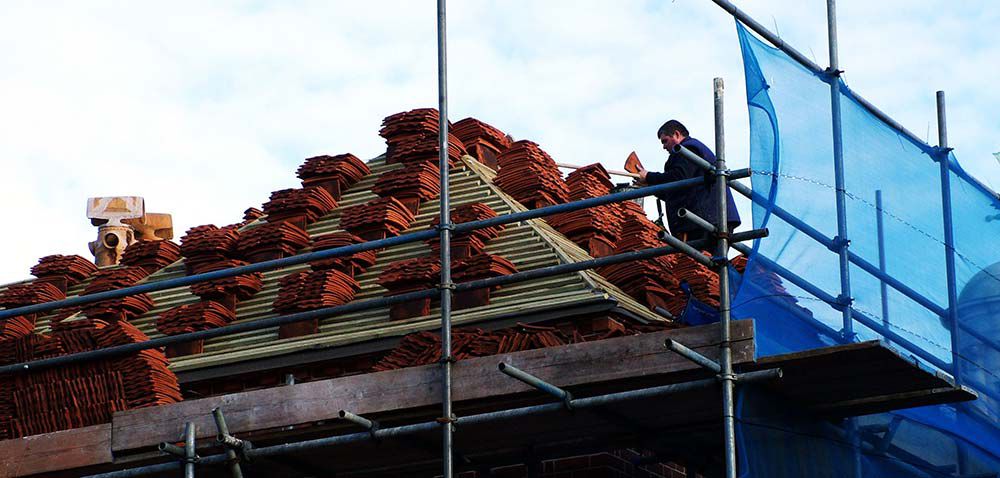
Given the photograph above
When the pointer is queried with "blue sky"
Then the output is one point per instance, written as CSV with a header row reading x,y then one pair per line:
x,y
204,108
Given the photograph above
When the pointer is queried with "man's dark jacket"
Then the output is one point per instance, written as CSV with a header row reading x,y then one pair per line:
x,y
701,200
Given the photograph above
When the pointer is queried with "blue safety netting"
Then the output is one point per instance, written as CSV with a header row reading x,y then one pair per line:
x,y
898,279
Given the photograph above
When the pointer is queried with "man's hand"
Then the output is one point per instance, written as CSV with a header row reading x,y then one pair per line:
x,y
641,180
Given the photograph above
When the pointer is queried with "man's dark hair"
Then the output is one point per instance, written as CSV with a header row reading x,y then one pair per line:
x,y
670,127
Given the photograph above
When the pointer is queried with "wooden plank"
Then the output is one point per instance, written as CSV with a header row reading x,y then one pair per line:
x,y
874,404
52,452
859,378
578,364
852,371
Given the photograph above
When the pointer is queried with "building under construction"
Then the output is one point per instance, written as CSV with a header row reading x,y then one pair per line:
x,y
460,306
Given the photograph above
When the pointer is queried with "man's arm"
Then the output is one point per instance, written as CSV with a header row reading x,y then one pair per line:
x,y
677,168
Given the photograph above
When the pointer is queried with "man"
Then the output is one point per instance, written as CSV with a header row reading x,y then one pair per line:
x,y
701,200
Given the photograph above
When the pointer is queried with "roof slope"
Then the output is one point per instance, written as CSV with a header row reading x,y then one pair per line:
x,y
528,245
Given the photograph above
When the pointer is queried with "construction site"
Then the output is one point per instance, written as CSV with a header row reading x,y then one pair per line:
x,y
465,305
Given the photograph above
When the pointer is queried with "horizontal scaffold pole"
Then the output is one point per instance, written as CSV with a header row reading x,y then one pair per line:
x,y
796,55
360,247
539,273
829,243
824,296
482,418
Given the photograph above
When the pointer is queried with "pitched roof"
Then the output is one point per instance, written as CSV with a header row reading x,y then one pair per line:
x,y
527,245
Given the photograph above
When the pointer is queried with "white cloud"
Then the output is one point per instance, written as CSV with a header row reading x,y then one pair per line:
x,y
204,108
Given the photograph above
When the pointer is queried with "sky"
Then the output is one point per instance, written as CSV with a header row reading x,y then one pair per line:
x,y
204,108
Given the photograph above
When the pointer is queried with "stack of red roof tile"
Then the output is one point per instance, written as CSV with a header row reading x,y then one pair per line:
x,y
204,246
649,281
249,216
19,295
412,137
638,232
151,255
409,275
530,176
19,349
243,286
288,287
82,394
192,317
149,382
472,242
481,140
333,173
588,182
627,209
252,214
305,204
79,334
16,327
125,308
351,265
481,266
417,182
423,348
376,219
704,283
471,130
739,263
64,271
273,240
310,290
42,407
594,229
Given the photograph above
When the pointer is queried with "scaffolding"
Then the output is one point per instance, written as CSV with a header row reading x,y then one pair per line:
x,y
239,452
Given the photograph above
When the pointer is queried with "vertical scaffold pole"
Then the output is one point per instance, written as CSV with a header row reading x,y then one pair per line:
x,y
842,240
949,236
189,450
446,285
722,256
880,234
949,257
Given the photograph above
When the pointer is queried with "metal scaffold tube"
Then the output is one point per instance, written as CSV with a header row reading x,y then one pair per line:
x,y
775,40
361,247
446,286
726,374
841,242
477,419
539,273
943,154
949,237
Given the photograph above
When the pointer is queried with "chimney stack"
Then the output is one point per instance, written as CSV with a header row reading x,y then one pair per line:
x,y
121,221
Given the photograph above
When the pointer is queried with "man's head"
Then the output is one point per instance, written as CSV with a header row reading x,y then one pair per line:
x,y
671,134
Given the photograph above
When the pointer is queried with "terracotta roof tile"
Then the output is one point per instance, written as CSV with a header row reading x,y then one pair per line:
x,y
151,255
308,203
333,173
74,268
530,175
